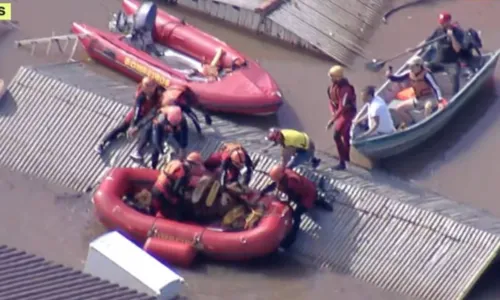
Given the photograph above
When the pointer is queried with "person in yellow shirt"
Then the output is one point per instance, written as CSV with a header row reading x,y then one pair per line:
x,y
297,147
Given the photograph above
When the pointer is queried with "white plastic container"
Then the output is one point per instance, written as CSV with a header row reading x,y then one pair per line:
x,y
114,258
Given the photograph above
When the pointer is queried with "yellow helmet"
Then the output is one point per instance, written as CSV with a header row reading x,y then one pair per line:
x,y
336,71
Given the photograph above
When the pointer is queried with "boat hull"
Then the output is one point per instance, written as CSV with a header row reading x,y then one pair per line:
x,y
380,147
232,246
248,90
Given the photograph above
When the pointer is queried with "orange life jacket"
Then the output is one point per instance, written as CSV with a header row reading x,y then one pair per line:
x,y
419,85
168,182
165,186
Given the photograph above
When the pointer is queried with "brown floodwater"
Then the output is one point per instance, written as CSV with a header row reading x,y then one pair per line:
x,y
38,218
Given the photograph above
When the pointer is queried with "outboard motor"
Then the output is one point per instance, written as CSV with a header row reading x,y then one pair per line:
x,y
144,24
144,20
138,28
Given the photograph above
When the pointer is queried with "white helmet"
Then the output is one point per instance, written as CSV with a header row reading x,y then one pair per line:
x,y
416,61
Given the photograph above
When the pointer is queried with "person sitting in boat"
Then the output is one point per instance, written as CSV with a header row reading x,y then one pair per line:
x,y
449,49
377,113
297,147
195,162
300,191
211,71
146,101
169,189
185,98
214,70
231,158
424,86
169,120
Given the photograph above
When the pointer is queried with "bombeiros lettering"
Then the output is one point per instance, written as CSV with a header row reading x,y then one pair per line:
x,y
146,71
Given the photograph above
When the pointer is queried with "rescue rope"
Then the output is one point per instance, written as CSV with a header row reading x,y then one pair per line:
x,y
400,7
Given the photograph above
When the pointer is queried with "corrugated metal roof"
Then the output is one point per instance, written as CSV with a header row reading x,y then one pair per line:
x,y
338,28
28,277
51,128
409,241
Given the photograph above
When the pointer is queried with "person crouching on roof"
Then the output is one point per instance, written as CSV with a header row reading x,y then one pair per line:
x,y
169,120
297,147
300,191
147,100
186,99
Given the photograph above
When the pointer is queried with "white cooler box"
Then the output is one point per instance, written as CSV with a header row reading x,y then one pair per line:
x,y
114,258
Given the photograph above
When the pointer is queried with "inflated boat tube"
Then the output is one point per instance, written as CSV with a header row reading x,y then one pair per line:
x,y
169,251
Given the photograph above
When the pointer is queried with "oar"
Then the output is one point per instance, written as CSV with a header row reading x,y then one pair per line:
x,y
376,65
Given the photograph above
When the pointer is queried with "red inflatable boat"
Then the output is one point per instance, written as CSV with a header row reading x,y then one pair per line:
x,y
179,243
182,48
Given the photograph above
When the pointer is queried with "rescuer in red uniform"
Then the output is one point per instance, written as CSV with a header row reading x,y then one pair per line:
x,y
147,98
299,190
195,162
342,101
169,120
168,190
186,99
232,157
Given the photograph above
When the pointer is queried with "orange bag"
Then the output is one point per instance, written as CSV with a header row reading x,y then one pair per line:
x,y
406,94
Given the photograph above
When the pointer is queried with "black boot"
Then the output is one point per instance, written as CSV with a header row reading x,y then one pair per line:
x,y
340,167
321,203
315,162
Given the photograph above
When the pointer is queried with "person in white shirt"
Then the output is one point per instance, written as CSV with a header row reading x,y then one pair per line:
x,y
378,114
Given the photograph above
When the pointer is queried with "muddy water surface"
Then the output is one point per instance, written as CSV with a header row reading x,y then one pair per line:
x,y
57,226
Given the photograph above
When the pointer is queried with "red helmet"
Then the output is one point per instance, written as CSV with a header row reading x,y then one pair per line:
x,y
174,115
274,134
444,18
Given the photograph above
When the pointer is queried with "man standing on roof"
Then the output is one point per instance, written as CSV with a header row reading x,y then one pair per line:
x,y
296,147
449,49
342,102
